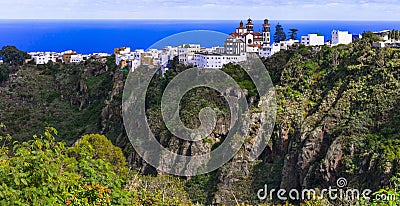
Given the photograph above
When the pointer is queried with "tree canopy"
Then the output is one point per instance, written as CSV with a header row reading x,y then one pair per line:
x,y
4,72
279,34
293,34
13,56
42,171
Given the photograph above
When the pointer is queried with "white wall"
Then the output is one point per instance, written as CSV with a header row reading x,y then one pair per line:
x,y
217,61
44,57
284,45
313,40
269,50
341,37
135,64
76,58
186,53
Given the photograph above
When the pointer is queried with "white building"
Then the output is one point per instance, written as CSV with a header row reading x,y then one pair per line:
x,y
124,55
216,61
341,37
245,39
101,54
45,57
76,58
170,51
155,55
135,64
100,57
1,61
269,50
167,54
186,53
386,40
313,40
285,45
234,46
213,50
164,59
384,35
38,58
122,50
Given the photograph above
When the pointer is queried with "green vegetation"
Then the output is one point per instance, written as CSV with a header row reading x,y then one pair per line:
x,y
394,34
338,116
348,95
12,56
4,72
293,34
44,172
279,35
69,97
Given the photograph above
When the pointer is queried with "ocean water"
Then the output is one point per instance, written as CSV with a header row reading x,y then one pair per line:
x,y
88,36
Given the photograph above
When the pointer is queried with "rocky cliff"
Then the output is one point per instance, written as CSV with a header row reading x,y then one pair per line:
x,y
338,116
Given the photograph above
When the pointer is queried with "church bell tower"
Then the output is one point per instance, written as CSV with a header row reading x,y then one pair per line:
x,y
250,26
266,32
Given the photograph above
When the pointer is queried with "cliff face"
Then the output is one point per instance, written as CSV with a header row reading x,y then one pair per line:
x,y
68,97
337,110
331,101
338,116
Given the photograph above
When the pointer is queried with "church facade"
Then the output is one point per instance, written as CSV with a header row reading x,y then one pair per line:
x,y
245,39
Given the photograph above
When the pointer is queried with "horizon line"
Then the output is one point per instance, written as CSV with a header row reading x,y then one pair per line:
x,y
177,19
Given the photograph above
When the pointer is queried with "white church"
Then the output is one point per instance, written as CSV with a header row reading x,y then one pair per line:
x,y
245,39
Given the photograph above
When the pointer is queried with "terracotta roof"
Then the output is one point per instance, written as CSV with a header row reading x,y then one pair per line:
x,y
254,45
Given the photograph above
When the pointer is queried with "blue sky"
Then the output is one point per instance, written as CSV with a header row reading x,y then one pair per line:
x,y
201,9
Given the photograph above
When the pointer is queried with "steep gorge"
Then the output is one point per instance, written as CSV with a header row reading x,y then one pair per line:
x,y
338,116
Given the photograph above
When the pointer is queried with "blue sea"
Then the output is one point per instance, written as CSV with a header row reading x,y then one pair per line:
x,y
89,36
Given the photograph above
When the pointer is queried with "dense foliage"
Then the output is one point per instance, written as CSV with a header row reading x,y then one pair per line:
x,y
69,97
338,116
93,172
279,35
293,33
4,72
12,56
